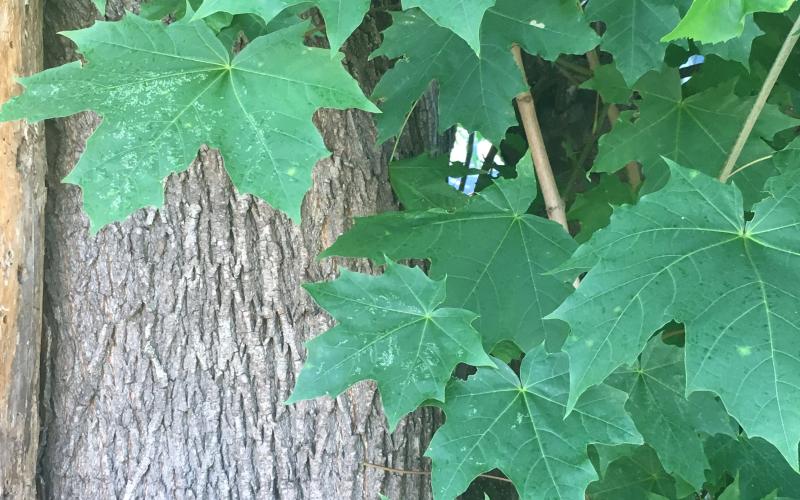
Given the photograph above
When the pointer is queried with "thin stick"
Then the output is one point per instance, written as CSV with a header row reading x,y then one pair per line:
x,y
541,162
761,100
424,473
632,168
748,165
402,129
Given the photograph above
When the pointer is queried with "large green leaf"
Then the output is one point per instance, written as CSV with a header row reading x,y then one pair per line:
x,y
715,21
633,32
342,17
474,91
516,424
686,253
656,385
163,91
392,330
697,131
462,17
757,465
421,183
492,252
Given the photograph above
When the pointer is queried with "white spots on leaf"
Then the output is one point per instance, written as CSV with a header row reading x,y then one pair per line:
x,y
386,358
537,24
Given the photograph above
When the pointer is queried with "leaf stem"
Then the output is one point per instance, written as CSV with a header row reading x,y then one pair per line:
x,y
761,100
402,129
533,132
750,164
632,168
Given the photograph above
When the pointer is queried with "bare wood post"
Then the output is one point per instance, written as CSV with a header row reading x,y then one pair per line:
x,y
22,194
541,162
632,168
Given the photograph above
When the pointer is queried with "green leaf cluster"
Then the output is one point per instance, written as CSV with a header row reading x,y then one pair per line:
x,y
671,371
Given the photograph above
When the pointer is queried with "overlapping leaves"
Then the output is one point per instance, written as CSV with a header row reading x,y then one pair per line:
x,y
633,32
656,385
462,17
392,329
715,21
165,90
475,91
342,17
492,252
421,183
631,473
696,131
686,253
516,424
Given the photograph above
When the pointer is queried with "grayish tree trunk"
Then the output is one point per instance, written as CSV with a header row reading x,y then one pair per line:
x,y
173,339
22,195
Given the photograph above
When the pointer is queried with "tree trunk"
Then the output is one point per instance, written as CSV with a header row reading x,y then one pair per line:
x,y
172,339
22,168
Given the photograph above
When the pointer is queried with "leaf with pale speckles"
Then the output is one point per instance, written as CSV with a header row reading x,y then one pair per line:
x,y
163,91
392,329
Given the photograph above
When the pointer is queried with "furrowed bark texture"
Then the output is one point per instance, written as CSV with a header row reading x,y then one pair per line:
x,y
173,339
22,195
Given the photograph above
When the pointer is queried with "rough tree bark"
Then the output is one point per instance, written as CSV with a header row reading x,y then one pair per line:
x,y
172,339
22,168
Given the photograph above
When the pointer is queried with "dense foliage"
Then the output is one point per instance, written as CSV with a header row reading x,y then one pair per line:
x,y
671,371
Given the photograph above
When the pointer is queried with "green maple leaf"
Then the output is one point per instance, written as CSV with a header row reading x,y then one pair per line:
x,y
516,424
609,83
392,330
736,49
163,91
657,403
696,131
462,17
421,183
492,252
593,208
686,253
342,17
714,21
476,92
631,473
759,467
633,32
